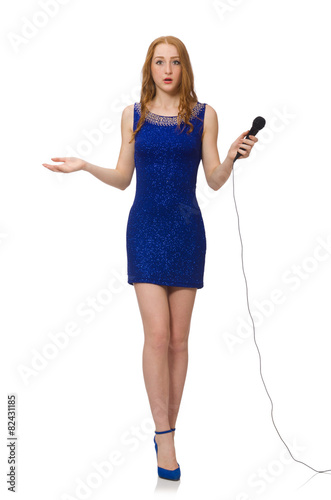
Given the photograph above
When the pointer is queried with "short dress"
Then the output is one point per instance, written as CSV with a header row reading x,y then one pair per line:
x,y
165,236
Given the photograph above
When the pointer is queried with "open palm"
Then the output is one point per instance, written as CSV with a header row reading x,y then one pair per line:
x,y
69,164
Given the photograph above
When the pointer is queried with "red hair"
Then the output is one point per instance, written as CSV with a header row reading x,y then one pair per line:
x,y
186,89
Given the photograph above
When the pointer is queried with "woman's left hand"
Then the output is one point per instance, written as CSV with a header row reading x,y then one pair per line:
x,y
242,146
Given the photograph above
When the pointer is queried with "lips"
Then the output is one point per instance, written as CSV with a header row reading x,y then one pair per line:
x,y
168,80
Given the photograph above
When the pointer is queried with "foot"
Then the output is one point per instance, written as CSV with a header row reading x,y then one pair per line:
x,y
166,455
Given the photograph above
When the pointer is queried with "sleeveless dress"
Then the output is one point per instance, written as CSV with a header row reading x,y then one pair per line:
x,y
165,236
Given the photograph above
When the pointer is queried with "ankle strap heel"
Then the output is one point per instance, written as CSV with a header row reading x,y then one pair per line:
x,y
173,475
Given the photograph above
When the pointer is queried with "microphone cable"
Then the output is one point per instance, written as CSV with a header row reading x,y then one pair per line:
x,y
272,406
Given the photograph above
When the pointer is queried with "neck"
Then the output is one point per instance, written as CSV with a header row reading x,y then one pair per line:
x,y
166,101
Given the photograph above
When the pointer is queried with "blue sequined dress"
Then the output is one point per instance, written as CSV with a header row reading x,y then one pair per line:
x,y
165,237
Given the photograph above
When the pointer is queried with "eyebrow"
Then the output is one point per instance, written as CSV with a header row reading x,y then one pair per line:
x,y
173,57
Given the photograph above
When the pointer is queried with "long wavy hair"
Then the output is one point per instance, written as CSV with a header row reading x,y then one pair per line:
x,y
186,89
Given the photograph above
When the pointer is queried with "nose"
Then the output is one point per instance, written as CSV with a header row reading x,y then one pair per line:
x,y
168,68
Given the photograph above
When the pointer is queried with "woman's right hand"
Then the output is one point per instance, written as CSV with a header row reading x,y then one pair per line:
x,y
70,164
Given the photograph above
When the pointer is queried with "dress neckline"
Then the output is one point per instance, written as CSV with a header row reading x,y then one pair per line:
x,y
170,116
156,119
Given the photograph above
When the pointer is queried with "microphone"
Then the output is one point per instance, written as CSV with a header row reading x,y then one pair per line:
x,y
258,124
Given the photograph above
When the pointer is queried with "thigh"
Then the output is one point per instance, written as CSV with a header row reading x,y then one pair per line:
x,y
154,309
181,302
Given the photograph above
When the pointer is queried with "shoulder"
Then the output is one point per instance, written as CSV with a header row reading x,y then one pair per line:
x,y
128,111
210,113
210,121
127,115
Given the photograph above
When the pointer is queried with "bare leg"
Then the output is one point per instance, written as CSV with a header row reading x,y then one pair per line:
x,y
181,302
154,308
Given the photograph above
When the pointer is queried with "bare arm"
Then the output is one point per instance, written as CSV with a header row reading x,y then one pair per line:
x,y
217,173
121,176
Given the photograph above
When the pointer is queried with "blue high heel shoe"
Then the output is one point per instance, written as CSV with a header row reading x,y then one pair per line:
x,y
173,475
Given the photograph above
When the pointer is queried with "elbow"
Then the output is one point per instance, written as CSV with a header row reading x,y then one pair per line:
x,y
124,186
214,186
215,182
217,185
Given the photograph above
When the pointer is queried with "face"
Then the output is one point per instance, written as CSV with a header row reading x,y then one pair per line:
x,y
166,64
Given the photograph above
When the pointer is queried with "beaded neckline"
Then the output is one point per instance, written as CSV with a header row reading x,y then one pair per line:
x,y
168,120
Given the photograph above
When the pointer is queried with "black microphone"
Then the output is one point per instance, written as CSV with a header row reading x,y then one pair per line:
x,y
258,124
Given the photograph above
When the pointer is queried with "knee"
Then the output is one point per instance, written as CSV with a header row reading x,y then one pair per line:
x,y
158,338
178,342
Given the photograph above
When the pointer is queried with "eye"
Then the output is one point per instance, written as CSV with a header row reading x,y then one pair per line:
x,y
176,61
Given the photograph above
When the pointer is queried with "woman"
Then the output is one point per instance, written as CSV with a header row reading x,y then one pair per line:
x,y
164,137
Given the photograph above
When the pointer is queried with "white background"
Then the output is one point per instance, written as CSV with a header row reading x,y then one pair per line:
x,y
66,67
